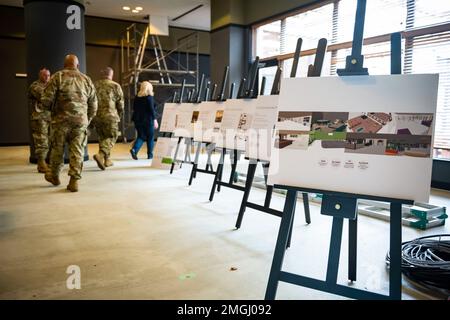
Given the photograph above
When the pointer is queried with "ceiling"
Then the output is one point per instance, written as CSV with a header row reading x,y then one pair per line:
x,y
198,19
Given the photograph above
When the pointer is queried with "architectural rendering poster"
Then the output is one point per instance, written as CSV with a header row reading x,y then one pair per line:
x,y
261,136
169,117
209,121
186,118
368,135
237,119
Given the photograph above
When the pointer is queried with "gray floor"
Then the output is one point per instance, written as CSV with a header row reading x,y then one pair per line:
x,y
140,233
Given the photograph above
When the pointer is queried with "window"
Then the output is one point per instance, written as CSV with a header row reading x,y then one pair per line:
x,y
268,39
425,26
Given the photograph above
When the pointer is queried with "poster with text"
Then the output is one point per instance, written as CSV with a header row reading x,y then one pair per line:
x,y
260,137
169,117
186,119
209,121
370,135
236,120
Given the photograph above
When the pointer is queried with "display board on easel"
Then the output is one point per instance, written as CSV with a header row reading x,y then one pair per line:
x,y
237,120
260,138
368,135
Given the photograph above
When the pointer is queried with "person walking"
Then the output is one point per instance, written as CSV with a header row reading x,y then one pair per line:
x,y
71,97
40,120
110,110
144,118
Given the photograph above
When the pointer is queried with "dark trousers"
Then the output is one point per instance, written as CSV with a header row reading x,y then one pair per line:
x,y
145,134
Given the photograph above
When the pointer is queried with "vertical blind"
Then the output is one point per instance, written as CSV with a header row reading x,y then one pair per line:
x,y
425,25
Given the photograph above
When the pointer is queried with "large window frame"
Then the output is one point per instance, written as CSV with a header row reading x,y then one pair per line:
x,y
408,35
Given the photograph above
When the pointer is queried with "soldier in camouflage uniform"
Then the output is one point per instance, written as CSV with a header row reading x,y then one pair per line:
x,y
71,97
40,120
109,113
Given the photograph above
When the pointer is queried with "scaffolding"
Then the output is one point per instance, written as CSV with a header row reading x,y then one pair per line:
x,y
143,59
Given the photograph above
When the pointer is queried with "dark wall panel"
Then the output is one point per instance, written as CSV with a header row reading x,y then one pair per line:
x,y
14,127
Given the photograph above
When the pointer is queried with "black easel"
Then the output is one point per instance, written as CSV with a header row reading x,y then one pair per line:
x,y
247,90
210,147
193,97
175,99
313,71
342,206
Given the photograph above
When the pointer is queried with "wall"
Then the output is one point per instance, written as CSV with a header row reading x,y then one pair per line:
x,y
257,10
102,48
13,101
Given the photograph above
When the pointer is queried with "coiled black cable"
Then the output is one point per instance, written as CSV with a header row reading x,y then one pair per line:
x,y
426,260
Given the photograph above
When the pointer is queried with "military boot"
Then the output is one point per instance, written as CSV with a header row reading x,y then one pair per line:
x,y
54,180
42,166
108,162
73,185
100,159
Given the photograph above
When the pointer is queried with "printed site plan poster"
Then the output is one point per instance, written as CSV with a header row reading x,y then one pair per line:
x,y
169,117
237,119
369,135
185,119
262,134
209,121
164,152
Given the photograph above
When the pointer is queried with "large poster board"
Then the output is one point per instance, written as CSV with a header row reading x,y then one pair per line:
x,y
237,119
209,121
186,118
261,136
164,153
169,117
368,135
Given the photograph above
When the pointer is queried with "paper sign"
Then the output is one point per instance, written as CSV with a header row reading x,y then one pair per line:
x,y
237,119
262,134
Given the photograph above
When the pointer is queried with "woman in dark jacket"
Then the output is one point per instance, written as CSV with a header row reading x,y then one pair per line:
x,y
144,118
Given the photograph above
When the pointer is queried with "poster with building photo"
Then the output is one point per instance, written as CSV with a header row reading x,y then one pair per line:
x,y
186,119
210,114
368,135
262,134
236,119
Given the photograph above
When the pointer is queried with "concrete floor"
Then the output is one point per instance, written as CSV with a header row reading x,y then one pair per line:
x,y
140,233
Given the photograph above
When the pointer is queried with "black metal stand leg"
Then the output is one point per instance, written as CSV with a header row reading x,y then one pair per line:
x,y
306,207
268,198
209,151
395,251
335,250
280,248
221,171
288,245
248,185
218,175
195,165
175,156
187,155
269,189
352,248
233,165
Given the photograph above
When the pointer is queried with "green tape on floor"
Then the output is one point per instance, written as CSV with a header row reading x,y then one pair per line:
x,y
187,276
167,160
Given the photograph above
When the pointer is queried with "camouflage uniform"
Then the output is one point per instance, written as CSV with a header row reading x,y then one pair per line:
x,y
110,110
40,120
71,97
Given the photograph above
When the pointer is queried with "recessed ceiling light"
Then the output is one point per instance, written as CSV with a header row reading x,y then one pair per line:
x,y
135,11
139,8
126,8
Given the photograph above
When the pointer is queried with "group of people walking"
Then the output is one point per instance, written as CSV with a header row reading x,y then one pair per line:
x,y
64,105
